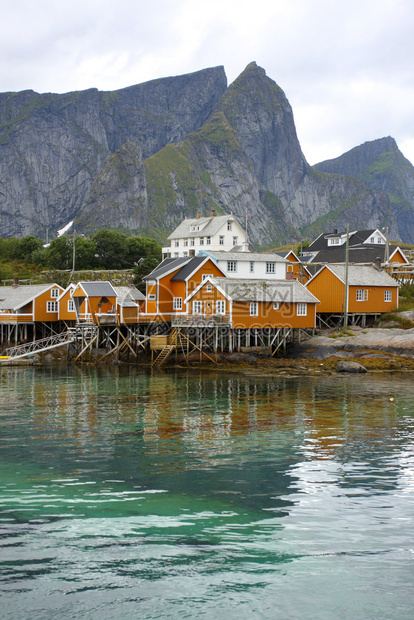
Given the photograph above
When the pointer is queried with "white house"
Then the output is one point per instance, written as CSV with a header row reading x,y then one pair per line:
x,y
250,265
215,232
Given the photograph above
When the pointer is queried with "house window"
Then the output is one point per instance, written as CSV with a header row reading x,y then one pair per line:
x,y
185,242
151,297
54,293
71,305
229,225
275,305
301,309
177,303
362,294
290,268
176,254
197,307
192,241
251,266
334,241
221,240
208,240
270,267
177,244
372,240
232,266
206,275
235,240
209,288
254,308
221,306
387,295
201,240
52,306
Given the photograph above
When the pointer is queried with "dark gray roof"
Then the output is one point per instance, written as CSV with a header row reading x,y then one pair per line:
x,y
355,237
362,253
189,268
167,265
98,289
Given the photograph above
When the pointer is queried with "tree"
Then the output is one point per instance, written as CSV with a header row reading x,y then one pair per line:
x,y
60,253
111,248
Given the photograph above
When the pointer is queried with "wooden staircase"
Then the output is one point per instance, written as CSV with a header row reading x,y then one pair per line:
x,y
166,351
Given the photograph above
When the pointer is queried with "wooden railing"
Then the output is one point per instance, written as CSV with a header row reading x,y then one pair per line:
x,y
200,320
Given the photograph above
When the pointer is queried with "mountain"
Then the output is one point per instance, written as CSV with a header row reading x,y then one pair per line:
x,y
145,157
381,165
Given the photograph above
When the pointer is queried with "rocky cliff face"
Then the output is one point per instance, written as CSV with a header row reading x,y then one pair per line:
x,y
381,165
145,157
53,147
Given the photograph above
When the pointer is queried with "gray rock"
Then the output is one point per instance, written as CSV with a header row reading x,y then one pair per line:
x,y
352,367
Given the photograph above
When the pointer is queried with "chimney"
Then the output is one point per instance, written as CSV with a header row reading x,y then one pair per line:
x,y
191,253
198,215
213,213
15,282
335,231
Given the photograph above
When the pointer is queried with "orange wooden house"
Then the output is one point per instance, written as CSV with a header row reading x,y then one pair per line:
x,y
29,304
295,269
26,311
171,283
100,303
370,290
259,304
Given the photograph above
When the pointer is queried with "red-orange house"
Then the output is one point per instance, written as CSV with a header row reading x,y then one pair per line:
x,y
171,283
247,304
370,290
35,303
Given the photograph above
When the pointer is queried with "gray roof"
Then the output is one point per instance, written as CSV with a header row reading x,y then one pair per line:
x,y
209,226
265,290
13,297
361,253
247,256
167,265
128,293
362,275
189,268
98,289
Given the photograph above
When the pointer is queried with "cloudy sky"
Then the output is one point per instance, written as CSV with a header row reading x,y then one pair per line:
x,y
345,66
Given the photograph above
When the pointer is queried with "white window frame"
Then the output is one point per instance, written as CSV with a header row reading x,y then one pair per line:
x,y
177,244
301,309
270,267
201,240
235,240
221,240
229,226
388,295
52,306
71,305
334,241
221,306
209,288
177,303
206,275
54,293
197,307
289,268
185,243
254,308
275,305
208,241
362,294
232,266
152,297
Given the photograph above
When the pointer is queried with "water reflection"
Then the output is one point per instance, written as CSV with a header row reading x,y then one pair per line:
x,y
132,494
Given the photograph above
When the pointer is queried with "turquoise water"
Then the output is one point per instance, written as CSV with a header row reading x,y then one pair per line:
x,y
187,495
